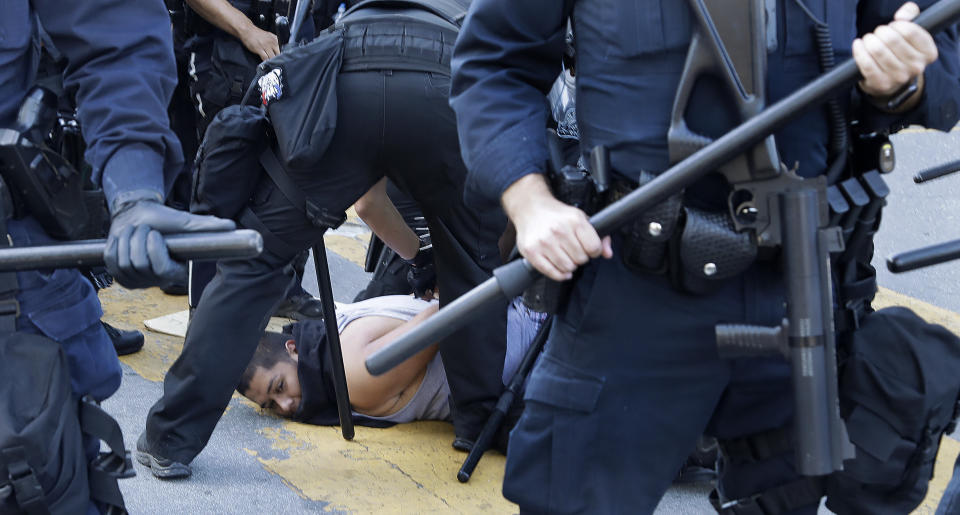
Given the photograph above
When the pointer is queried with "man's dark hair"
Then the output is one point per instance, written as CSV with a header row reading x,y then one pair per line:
x,y
270,350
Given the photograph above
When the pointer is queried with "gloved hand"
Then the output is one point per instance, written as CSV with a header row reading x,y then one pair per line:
x,y
136,254
422,277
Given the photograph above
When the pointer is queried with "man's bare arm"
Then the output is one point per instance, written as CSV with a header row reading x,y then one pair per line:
x,y
378,211
230,20
380,395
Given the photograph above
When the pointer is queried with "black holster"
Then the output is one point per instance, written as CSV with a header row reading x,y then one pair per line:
x,y
572,186
42,183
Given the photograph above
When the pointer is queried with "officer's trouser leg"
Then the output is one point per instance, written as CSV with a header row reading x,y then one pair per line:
x,y
63,306
627,383
757,404
420,140
473,356
224,331
235,307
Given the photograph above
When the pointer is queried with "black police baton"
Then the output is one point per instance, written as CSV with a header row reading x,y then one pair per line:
x,y
511,279
326,289
934,172
923,257
242,243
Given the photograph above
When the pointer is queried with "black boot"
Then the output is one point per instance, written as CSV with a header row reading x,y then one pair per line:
x,y
124,342
701,464
300,306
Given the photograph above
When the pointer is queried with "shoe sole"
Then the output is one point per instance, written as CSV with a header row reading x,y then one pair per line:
x,y
173,471
129,349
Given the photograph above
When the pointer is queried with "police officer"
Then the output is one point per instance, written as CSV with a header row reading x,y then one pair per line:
x,y
630,376
120,69
226,41
397,52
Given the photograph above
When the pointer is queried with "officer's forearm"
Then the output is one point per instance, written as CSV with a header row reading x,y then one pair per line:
x,y
529,190
223,15
378,211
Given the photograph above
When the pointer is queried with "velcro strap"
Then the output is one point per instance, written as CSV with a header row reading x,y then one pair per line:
x,y
862,289
319,216
109,466
26,488
757,447
99,424
283,181
271,241
104,489
786,498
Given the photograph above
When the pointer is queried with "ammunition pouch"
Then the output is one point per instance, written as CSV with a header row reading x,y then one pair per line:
x,y
711,250
233,67
856,206
697,249
646,240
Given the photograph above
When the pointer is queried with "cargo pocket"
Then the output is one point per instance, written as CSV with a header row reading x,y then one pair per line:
x,y
72,318
234,66
551,447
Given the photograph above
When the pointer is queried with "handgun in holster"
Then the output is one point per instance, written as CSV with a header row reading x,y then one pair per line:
x,y
574,186
43,184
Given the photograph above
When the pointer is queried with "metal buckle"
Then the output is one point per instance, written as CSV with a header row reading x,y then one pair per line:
x,y
9,307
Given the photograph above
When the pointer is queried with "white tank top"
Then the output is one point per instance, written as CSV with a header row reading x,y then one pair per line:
x,y
432,400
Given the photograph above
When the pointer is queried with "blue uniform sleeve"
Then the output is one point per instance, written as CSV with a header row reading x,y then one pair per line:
x,y
939,107
120,67
505,60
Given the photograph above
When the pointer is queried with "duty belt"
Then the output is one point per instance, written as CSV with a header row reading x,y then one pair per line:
x,y
400,44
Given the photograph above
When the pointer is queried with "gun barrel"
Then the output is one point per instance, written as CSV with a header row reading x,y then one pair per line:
x,y
243,243
676,178
925,256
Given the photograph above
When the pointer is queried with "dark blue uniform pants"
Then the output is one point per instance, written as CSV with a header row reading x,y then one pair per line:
x,y
63,306
629,379
396,124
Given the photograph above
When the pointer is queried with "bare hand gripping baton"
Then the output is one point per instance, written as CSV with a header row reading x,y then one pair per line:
x,y
511,279
242,243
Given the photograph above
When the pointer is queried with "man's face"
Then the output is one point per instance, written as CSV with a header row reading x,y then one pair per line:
x,y
276,388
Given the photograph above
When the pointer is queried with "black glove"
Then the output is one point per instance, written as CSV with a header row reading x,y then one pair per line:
x,y
136,254
422,277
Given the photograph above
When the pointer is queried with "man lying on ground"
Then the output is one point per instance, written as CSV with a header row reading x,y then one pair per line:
x,y
290,372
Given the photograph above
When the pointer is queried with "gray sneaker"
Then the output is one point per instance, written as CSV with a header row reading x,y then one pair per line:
x,y
161,468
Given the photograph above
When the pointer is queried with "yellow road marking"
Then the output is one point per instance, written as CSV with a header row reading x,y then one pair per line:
x,y
409,468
